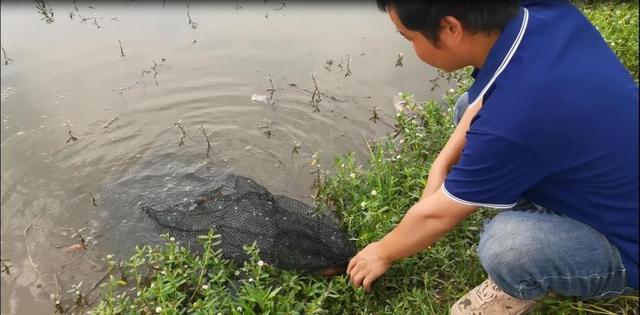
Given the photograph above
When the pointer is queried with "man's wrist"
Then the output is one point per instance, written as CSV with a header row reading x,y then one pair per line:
x,y
386,251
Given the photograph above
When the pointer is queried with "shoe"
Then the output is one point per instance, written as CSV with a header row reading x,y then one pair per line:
x,y
489,299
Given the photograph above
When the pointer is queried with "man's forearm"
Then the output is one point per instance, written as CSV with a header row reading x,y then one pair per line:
x,y
421,226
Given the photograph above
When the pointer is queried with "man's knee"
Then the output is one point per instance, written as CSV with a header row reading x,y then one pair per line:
x,y
509,251
528,253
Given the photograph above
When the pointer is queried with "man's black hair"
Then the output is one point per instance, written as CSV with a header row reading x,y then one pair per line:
x,y
475,16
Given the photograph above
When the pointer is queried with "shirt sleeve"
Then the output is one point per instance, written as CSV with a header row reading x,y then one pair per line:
x,y
493,171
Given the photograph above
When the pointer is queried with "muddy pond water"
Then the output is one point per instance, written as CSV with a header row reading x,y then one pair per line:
x,y
94,91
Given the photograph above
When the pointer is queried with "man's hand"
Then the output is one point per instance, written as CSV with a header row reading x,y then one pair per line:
x,y
369,264
424,223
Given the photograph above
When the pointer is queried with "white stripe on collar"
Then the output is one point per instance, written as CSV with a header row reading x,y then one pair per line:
x,y
507,58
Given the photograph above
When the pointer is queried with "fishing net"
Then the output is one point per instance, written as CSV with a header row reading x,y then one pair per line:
x,y
290,234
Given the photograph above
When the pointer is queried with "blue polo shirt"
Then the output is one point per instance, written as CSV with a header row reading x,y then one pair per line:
x,y
558,127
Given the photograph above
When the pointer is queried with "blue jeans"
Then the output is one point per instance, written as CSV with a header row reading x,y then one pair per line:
x,y
529,251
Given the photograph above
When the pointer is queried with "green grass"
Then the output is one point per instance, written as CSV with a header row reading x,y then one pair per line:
x,y
169,280
370,200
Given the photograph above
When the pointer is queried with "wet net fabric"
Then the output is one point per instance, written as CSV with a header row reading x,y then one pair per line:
x,y
290,234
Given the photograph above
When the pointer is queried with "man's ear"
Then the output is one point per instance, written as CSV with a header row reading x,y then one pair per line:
x,y
451,30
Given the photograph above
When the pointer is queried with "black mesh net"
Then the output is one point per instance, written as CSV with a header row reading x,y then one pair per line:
x,y
290,234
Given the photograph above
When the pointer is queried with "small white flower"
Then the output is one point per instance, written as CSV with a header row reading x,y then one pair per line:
x,y
398,157
250,279
363,204
237,273
158,309
109,256
139,293
260,263
352,175
342,165
451,91
374,192
77,292
205,287
173,239
397,114
239,309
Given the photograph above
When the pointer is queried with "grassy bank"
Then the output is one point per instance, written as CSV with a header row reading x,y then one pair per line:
x,y
370,199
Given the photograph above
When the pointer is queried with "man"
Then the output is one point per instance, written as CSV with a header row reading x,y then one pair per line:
x,y
551,128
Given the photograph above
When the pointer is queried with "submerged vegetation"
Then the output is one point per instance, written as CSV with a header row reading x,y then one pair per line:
x,y
370,200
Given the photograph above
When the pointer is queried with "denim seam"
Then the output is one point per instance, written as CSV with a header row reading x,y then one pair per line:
x,y
521,289
585,277
523,285
609,292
